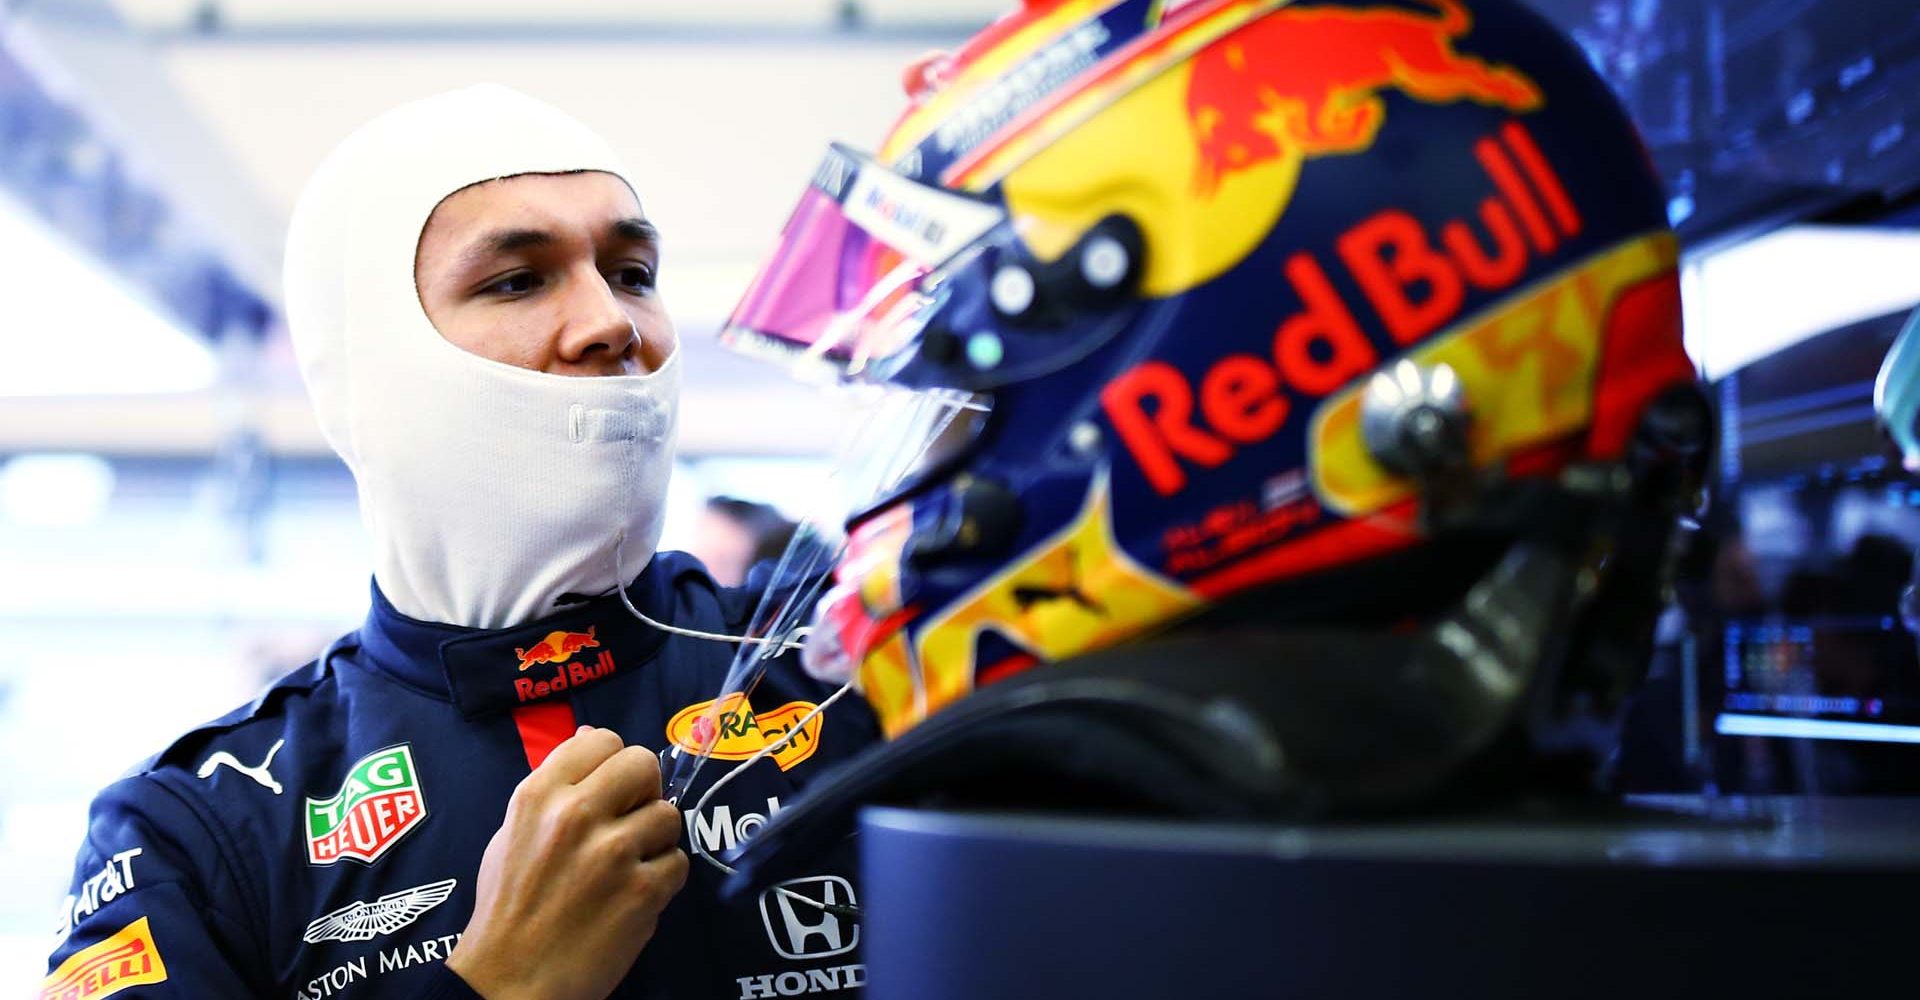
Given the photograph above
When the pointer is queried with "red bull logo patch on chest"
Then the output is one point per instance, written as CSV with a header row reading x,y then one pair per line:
x,y
557,647
501,672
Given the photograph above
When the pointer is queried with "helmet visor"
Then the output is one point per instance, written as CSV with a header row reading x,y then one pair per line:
x,y
852,283
845,287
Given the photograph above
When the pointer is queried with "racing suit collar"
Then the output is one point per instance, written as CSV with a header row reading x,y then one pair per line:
x,y
486,671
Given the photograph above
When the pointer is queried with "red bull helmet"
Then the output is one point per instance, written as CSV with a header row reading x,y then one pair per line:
x,y
1301,315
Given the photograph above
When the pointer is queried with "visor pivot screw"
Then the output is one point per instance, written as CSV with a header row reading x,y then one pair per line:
x,y
1012,290
1084,439
985,351
1414,419
1104,263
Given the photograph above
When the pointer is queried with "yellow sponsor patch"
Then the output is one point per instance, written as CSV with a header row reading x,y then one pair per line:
x,y
128,958
736,732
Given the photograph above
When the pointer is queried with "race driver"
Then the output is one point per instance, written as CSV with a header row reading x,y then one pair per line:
x,y
462,797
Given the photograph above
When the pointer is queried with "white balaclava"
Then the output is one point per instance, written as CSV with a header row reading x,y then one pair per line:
x,y
490,490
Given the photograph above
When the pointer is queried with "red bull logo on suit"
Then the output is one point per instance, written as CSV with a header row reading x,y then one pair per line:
x,y
557,647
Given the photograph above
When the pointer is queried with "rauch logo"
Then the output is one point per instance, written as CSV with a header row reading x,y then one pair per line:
x,y
731,730
378,803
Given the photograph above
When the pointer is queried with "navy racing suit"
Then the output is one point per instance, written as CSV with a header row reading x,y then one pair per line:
x,y
323,841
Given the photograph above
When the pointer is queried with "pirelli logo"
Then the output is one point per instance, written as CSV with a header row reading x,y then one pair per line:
x,y
128,958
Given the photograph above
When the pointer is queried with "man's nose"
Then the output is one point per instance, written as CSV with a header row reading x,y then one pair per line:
x,y
596,335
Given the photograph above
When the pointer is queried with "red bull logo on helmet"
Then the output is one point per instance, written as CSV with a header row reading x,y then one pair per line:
x,y
1235,99
1414,279
1306,82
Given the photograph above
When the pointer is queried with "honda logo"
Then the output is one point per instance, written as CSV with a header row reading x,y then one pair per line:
x,y
801,931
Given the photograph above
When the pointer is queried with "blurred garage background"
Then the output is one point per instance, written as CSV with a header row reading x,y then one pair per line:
x,y
174,532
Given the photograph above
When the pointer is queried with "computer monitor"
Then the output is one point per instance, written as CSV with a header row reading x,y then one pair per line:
x,y
1762,111
1797,605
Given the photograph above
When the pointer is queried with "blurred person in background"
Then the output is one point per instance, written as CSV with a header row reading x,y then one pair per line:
x,y
462,797
736,535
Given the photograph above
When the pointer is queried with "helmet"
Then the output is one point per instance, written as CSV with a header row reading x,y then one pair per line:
x,y
1249,314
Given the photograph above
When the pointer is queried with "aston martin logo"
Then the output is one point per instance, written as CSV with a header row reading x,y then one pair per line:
x,y
362,921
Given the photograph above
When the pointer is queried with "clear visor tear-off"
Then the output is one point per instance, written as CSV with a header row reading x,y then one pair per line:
x,y
897,437
850,285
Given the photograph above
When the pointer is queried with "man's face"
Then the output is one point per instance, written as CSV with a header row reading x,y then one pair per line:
x,y
552,272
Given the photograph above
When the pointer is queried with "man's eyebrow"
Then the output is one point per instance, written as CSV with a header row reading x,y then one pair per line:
x,y
504,241
637,230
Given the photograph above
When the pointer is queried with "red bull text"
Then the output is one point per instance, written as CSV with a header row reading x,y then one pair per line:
x,y
1414,279
564,676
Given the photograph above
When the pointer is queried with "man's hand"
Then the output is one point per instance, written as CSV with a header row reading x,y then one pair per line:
x,y
572,884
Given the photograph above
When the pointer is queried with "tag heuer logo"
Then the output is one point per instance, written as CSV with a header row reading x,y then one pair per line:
x,y
378,803
364,921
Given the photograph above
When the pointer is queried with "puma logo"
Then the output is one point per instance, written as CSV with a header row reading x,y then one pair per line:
x,y
1025,596
258,774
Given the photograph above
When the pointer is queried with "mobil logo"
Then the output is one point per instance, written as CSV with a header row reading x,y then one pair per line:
x,y
718,828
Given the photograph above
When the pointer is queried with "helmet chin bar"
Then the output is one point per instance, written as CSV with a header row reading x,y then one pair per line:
x,y
1658,486
1514,687
1237,722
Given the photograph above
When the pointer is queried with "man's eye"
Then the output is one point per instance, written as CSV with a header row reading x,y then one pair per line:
x,y
634,277
518,283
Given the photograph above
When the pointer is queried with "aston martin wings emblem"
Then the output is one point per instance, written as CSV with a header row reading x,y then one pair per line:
x,y
361,920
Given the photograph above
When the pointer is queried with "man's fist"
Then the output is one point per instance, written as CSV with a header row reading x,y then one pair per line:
x,y
574,880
